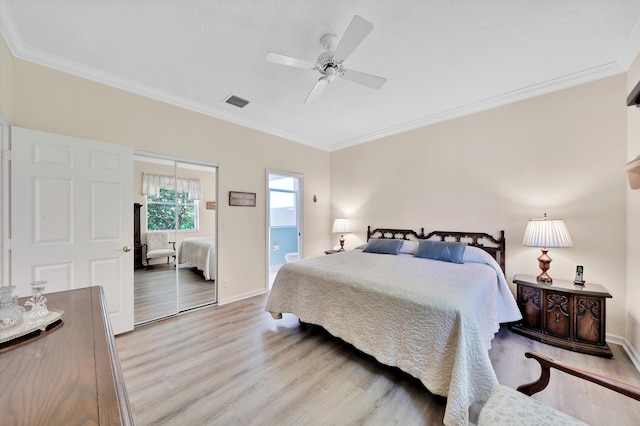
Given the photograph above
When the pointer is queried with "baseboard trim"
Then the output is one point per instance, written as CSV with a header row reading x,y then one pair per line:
x,y
632,352
241,297
634,355
615,339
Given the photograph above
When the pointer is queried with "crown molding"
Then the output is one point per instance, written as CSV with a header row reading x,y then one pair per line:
x,y
631,48
99,76
9,31
533,91
628,54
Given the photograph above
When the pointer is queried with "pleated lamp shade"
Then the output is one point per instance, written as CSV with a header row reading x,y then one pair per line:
x,y
546,233
341,226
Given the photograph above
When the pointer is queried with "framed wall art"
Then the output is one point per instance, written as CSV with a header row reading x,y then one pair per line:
x,y
244,199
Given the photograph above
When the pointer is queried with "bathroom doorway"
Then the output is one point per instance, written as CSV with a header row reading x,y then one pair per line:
x,y
284,220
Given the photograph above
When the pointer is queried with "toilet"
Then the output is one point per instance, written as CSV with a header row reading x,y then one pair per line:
x,y
291,257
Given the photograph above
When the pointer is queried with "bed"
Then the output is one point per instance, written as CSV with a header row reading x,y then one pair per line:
x,y
200,252
433,319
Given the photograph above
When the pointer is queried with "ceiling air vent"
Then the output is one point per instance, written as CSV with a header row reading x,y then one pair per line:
x,y
236,101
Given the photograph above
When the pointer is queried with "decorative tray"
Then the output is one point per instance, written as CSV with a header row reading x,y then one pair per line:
x,y
26,328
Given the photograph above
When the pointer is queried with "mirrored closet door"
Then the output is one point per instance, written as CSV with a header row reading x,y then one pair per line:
x,y
175,254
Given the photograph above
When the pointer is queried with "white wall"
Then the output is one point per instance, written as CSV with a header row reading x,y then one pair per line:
x,y
561,154
633,223
48,100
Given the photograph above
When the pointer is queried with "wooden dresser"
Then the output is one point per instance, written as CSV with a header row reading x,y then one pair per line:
x,y
563,314
69,374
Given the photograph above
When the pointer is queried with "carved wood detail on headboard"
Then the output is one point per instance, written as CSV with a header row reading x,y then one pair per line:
x,y
492,245
395,234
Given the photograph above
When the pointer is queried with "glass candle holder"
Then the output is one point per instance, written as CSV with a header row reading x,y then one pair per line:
x,y
37,302
11,315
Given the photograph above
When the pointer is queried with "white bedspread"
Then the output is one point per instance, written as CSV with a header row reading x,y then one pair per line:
x,y
201,253
424,316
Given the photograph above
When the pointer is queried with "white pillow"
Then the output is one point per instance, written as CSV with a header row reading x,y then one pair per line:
x,y
409,247
477,255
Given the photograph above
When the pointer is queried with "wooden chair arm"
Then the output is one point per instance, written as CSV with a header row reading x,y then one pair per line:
x,y
173,243
547,363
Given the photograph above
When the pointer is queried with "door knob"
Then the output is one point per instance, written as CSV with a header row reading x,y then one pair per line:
x,y
126,249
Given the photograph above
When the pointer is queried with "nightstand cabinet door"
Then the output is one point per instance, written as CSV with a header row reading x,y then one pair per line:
x,y
530,301
558,314
590,320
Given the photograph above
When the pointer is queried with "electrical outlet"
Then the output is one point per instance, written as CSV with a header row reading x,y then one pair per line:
x,y
226,225
225,283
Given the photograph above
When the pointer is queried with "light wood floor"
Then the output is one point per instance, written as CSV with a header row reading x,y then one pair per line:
x,y
156,294
234,364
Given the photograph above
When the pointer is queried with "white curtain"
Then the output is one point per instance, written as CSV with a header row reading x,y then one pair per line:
x,y
151,185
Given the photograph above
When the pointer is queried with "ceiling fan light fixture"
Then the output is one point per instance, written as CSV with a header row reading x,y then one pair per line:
x,y
330,62
331,72
329,42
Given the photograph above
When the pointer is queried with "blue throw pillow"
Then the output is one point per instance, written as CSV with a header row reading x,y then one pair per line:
x,y
441,250
383,246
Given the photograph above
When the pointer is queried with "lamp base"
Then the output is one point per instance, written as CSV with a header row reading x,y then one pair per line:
x,y
543,278
544,261
341,242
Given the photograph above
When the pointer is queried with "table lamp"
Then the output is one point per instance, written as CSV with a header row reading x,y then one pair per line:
x,y
545,234
341,226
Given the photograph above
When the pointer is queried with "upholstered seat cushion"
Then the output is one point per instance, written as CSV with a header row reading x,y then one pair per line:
x,y
507,406
161,253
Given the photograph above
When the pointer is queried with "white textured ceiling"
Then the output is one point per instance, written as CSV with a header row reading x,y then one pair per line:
x,y
442,59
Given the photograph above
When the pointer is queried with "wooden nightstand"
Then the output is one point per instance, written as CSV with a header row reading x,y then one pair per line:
x,y
563,314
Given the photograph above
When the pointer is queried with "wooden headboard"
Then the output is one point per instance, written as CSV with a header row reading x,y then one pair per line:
x,y
494,246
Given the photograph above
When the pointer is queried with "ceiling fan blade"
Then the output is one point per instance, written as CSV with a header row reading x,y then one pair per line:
x,y
365,79
277,58
357,30
317,90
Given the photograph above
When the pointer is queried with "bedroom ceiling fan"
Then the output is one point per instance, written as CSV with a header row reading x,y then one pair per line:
x,y
330,62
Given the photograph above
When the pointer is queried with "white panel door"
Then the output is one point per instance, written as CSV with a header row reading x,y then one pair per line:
x,y
72,217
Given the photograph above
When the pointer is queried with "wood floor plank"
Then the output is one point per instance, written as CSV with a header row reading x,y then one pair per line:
x,y
234,364
156,294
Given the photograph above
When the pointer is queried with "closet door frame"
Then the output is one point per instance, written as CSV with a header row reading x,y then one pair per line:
x,y
175,160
